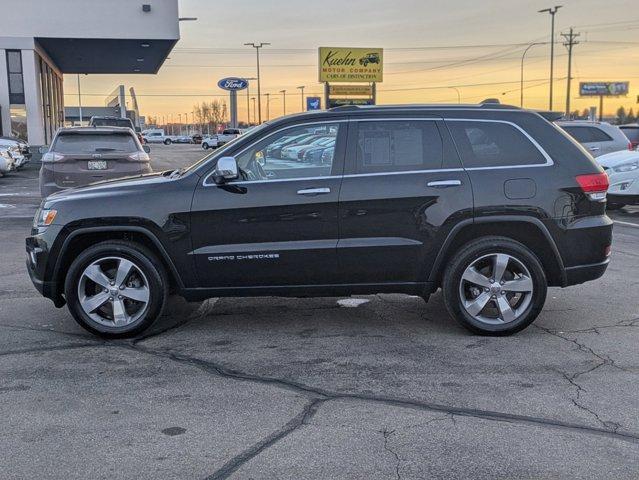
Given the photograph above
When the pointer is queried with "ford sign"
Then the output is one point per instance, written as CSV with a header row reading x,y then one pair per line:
x,y
232,84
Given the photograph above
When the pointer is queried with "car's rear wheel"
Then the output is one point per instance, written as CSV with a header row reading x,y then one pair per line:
x,y
116,289
494,286
167,141
205,145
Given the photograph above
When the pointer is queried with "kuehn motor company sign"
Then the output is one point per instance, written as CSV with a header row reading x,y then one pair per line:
x,y
351,64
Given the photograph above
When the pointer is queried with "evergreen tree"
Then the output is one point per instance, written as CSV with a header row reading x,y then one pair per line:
x,y
621,115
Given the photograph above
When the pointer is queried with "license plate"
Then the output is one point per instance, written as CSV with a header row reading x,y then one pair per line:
x,y
97,165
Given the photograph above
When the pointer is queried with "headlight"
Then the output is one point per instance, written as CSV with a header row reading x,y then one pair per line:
x,y
626,167
44,217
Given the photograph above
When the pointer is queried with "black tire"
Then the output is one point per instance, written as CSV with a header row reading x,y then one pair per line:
x,y
474,251
167,141
205,145
143,259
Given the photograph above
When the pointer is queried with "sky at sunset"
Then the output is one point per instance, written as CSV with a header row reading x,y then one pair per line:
x,y
429,46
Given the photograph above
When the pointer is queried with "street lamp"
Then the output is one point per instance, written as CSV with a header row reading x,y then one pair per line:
x,y
283,92
301,87
458,94
521,87
257,47
253,100
552,11
248,100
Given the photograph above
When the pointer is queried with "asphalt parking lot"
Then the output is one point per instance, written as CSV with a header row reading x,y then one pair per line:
x,y
384,387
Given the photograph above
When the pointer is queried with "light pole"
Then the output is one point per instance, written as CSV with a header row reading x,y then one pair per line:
x,y
248,101
521,86
79,100
458,94
257,47
253,100
552,11
283,92
301,88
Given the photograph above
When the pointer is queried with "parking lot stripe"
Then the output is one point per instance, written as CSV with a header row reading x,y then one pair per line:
x,y
629,224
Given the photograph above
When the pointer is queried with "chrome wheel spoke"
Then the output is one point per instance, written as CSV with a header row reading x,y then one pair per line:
x,y
472,275
120,317
477,305
95,274
124,269
500,263
521,284
140,294
505,310
90,304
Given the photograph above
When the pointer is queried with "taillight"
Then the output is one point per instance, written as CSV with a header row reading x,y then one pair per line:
x,y
139,157
631,146
52,157
594,185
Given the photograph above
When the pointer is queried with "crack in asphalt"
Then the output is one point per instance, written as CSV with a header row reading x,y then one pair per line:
x,y
253,451
572,378
387,434
51,348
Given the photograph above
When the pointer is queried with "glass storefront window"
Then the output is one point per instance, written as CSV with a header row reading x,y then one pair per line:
x,y
19,121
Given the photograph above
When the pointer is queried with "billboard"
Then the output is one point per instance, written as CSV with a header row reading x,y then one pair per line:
x,y
340,102
348,90
605,89
351,64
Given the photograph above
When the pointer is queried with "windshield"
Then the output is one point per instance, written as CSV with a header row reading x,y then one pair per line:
x,y
112,122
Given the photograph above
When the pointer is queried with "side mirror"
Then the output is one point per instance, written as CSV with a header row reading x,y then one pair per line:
x,y
225,170
146,148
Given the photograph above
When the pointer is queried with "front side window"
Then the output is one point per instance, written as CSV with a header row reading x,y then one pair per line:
x,y
396,146
493,144
296,152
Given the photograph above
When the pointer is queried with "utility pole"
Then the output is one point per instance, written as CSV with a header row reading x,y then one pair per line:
x,y
570,42
301,87
79,100
254,113
268,106
257,47
283,92
248,100
552,11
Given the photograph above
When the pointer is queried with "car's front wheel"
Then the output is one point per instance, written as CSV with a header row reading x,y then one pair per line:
x,y
205,145
494,286
116,289
167,141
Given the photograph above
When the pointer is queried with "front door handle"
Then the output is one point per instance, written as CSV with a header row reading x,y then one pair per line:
x,y
593,149
444,183
314,191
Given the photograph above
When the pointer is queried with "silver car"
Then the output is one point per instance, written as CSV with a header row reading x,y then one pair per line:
x,y
599,138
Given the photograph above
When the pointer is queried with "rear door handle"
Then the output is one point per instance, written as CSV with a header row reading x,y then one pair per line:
x,y
444,183
593,149
314,191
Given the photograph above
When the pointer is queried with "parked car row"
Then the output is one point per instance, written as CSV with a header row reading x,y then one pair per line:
x,y
14,154
217,140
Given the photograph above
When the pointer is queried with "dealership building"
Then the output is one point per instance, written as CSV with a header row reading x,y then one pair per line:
x,y
41,40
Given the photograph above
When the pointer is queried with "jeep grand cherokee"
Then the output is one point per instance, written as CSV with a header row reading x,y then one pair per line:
x,y
490,203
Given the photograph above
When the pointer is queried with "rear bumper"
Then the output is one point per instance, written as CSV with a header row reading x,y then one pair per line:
x,y
585,273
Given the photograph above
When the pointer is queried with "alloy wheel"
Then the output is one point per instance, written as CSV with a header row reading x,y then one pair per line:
x,y
113,291
496,288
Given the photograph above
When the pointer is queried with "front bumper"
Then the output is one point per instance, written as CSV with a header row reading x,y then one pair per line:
x,y
39,263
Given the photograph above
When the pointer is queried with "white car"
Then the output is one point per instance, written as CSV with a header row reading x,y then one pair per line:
x,y
209,141
16,149
291,153
623,175
599,138
7,162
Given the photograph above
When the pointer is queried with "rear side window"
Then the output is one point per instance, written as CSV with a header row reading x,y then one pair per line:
x,y
94,143
632,133
396,146
493,144
588,134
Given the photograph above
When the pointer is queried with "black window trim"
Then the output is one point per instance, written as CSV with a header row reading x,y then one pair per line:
x,y
549,160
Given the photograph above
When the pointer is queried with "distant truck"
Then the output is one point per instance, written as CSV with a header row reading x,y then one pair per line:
x,y
227,135
158,135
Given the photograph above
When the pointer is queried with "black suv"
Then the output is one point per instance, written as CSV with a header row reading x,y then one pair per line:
x,y
490,203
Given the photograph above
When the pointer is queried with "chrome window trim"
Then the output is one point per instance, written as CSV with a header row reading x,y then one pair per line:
x,y
549,161
287,127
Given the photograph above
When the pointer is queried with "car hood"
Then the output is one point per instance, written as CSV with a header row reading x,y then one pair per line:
x,y
611,160
110,187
